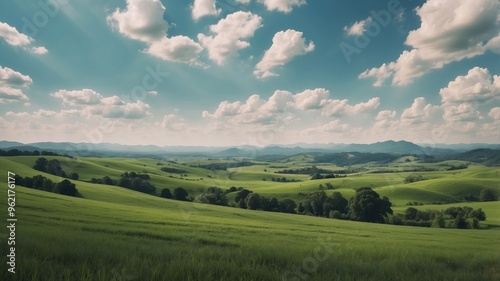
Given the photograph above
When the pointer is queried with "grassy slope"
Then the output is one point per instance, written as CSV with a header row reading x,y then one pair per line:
x,y
114,233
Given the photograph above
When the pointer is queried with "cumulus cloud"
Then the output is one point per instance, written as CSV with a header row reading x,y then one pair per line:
x,y
143,20
12,78
8,94
284,6
286,46
229,34
420,112
177,49
337,108
92,103
202,8
17,39
358,28
171,122
461,98
140,20
495,113
10,82
449,31
284,106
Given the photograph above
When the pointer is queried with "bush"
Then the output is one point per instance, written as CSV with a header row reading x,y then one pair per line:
x,y
334,214
487,195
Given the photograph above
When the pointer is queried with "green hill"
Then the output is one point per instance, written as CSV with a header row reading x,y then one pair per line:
x,y
113,233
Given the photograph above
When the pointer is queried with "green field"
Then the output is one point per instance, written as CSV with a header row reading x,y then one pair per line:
x,y
112,233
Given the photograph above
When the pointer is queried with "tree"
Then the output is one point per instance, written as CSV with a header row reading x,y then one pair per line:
x,y
487,194
180,194
366,205
41,164
47,185
74,176
288,206
165,193
335,202
54,167
411,214
253,201
438,221
240,198
66,188
107,180
478,214
334,214
300,208
314,203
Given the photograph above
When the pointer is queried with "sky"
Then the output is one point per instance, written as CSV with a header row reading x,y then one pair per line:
x,y
250,72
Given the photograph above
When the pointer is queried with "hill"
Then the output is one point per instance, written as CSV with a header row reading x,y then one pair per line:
x,y
112,233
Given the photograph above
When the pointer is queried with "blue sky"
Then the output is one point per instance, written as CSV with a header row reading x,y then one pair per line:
x,y
257,72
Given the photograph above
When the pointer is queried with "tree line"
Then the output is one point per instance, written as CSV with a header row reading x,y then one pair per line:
x,y
453,217
131,180
53,167
40,182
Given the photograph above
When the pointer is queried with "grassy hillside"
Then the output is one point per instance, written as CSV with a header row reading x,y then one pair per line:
x,y
117,234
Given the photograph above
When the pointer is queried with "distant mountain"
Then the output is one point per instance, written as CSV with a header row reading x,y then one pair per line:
x,y
7,144
482,155
274,151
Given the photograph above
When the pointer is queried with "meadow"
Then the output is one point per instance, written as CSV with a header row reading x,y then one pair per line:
x,y
113,233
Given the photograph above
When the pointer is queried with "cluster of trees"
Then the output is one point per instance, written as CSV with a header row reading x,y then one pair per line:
x,y
178,193
413,178
53,167
283,179
305,171
320,205
17,152
173,170
40,182
132,180
453,217
247,199
224,166
319,176
328,186
366,205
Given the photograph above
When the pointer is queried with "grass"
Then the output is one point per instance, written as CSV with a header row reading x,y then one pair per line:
x,y
117,234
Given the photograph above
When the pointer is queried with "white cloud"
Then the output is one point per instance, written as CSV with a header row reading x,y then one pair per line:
x,y
311,99
79,97
495,113
153,93
18,39
243,1
177,49
229,33
10,82
337,127
449,31
286,46
462,97
284,6
140,20
476,86
202,8
420,112
143,20
172,122
337,108
12,78
358,28
92,103
8,94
